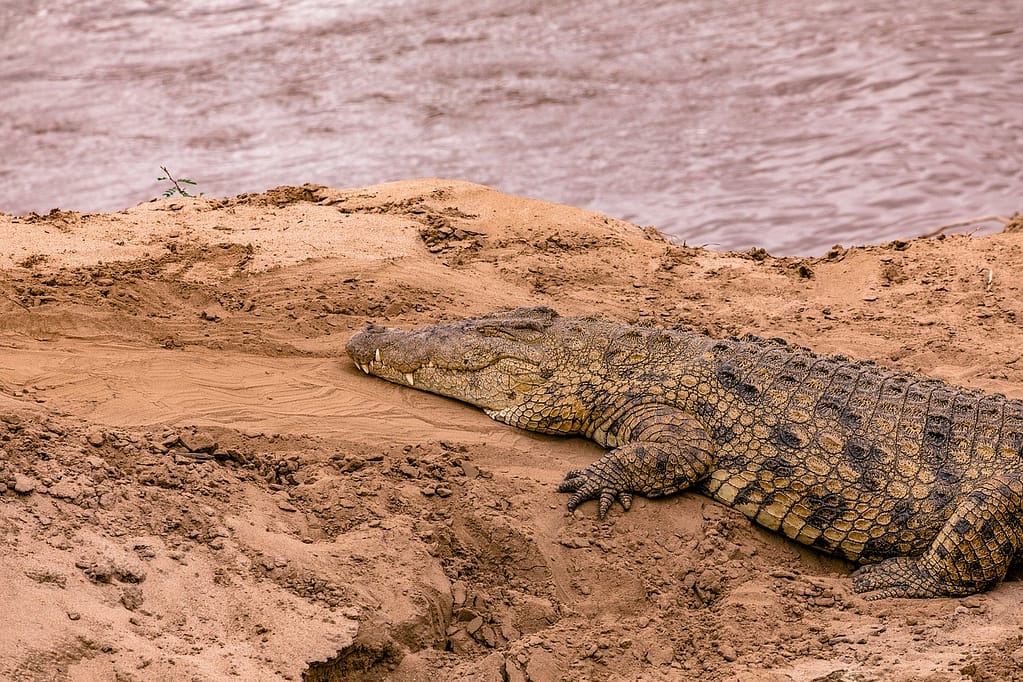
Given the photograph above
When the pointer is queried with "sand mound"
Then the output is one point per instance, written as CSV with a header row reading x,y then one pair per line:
x,y
195,483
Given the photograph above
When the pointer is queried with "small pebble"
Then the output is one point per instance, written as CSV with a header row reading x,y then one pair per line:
x,y
23,484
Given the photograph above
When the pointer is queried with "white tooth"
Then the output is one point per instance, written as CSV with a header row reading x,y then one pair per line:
x,y
364,368
411,381
376,355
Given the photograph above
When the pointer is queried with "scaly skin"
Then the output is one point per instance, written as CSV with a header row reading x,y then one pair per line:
x,y
920,479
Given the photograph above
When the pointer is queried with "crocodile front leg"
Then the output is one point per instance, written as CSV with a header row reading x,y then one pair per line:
x,y
971,552
661,450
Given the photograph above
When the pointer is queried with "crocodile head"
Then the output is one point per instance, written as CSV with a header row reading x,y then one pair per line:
x,y
494,362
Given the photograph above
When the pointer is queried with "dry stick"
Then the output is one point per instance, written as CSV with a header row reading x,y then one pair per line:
x,y
16,302
962,223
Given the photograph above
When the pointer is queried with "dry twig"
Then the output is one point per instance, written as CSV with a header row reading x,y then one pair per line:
x,y
962,223
17,302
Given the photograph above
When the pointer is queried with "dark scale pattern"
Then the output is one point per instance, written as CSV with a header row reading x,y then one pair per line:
x,y
922,477
1011,433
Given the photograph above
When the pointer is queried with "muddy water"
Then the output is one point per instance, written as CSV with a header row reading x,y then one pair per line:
x,y
723,123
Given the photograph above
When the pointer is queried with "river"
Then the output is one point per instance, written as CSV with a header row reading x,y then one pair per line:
x,y
788,125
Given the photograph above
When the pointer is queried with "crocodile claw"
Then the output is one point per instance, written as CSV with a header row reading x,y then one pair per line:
x,y
587,485
902,577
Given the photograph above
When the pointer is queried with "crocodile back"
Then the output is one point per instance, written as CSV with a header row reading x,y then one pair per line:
x,y
847,456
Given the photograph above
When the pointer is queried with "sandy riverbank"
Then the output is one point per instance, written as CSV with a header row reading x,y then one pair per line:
x,y
197,483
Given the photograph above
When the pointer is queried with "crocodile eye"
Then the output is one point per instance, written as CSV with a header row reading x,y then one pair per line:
x,y
510,334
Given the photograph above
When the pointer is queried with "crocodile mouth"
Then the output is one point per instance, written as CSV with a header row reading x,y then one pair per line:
x,y
394,354
490,375
406,374
492,362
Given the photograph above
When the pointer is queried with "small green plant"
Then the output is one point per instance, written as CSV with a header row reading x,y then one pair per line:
x,y
176,188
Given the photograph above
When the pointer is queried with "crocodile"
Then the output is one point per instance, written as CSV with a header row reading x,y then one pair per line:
x,y
917,480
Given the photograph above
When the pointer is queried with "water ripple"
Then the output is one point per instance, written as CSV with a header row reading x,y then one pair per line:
x,y
777,124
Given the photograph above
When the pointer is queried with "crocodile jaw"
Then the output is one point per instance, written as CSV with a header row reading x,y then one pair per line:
x,y
490,362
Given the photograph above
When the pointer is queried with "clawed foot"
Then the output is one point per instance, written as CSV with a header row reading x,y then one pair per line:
x,y
589,485
903,577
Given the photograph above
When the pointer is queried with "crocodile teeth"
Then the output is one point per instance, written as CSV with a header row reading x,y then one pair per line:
x,y
411,381
364,368
376,355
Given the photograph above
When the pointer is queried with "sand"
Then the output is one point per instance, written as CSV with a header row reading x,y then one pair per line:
x,y
196,483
